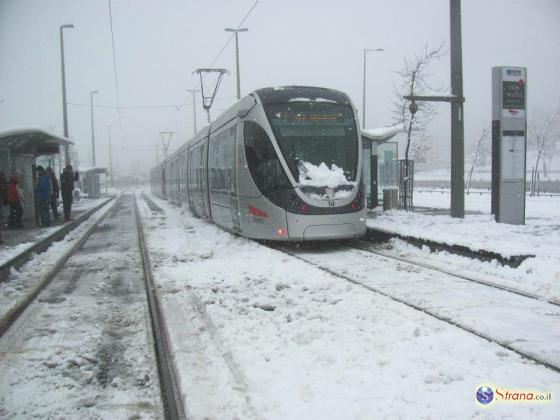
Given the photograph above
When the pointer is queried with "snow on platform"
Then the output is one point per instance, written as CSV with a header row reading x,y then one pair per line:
x,y
20,240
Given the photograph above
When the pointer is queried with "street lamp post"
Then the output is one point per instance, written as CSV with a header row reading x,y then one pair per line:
x,y
110,158
64,111
366,50
92,130
236,31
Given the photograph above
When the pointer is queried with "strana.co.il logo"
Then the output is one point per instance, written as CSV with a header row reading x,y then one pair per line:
x,y
484,395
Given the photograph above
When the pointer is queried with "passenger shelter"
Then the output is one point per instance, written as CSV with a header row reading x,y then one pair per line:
x,y
90,182
19,150
380,163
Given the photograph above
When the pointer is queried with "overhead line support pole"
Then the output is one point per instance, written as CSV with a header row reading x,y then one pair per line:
x,y
456,100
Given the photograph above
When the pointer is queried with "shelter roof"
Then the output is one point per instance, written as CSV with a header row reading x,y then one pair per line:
x,y
32,141
94,170
381,134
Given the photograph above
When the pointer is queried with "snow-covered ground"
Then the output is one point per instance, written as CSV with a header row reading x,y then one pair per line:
x,y
540,236
83,349
8,251
28,277
259,334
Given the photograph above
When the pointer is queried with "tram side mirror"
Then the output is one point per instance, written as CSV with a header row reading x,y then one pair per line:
x,y
242,113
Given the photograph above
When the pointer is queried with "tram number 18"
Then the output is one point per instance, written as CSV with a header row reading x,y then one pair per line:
x,y
331,203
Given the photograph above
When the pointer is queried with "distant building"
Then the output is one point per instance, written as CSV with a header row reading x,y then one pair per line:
x,y
90,182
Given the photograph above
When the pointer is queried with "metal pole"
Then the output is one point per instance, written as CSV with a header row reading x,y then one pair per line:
x,y
236,31
237,64
457,116
92,129
64,111
193,91
169,135
366,50
364,94
110,158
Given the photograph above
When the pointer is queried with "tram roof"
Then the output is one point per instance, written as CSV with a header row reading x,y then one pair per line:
x,y
32,141
290,93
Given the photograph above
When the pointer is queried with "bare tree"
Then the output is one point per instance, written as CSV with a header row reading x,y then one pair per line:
x,y
420,146
539,141
414,81
479,147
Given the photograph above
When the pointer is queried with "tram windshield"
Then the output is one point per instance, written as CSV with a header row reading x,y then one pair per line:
x,y
316,135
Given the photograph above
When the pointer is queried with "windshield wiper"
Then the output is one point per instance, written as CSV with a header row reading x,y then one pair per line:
x,y
301,166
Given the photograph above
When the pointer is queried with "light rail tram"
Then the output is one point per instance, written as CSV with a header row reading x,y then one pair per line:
x,y
280,164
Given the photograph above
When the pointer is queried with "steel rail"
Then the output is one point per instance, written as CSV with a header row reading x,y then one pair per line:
x,y
13,314
169,384
41,246
366,247
419,308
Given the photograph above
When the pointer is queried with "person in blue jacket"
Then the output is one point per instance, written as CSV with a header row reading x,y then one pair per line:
x,y
43,195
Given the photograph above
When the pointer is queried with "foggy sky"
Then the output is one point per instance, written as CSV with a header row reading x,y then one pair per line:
x,y
160,43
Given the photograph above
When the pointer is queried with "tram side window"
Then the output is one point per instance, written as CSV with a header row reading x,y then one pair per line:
x,y
265,168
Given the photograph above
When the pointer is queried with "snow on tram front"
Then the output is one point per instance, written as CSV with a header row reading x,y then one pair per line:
x,y
281,164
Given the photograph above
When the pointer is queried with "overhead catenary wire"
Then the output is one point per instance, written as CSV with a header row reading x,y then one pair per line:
x,y
117,96
185,103
155,106
114,56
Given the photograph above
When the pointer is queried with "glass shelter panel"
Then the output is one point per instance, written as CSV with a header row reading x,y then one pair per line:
x,y
388,175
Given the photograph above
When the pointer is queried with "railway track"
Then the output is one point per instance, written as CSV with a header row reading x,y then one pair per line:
x,y
424,308
170,392
169,384
368,247
12,315
41,246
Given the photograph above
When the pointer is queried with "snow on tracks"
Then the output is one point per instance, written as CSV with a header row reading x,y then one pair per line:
x,y
308,345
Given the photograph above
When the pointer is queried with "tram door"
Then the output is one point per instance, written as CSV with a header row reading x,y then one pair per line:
x,y
205,190
163,185
232,165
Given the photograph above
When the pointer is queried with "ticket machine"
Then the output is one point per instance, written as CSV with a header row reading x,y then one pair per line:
x,y
509,143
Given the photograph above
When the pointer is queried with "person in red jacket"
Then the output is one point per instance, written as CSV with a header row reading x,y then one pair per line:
x,y
14,201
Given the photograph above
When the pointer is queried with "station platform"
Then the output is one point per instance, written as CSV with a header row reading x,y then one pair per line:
x,y
477,233
17,241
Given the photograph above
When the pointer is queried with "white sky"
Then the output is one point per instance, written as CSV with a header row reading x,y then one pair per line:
x,y
160,43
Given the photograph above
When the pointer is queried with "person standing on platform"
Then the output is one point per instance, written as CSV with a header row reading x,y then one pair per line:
x,y
55,192
43,194
67,180
3,200
14,201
